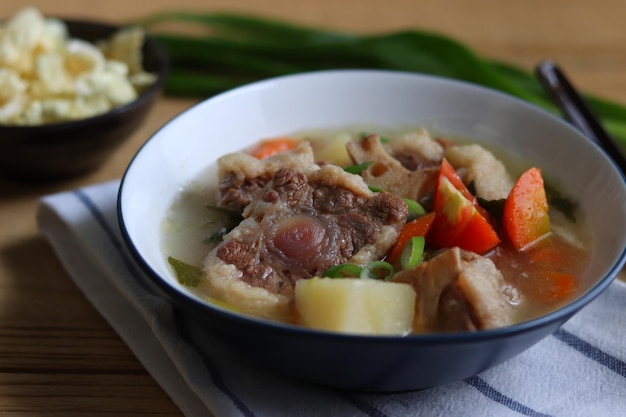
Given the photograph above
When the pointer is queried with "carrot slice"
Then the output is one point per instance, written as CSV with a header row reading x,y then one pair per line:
x,y
270,147
560,285
525,218
417,227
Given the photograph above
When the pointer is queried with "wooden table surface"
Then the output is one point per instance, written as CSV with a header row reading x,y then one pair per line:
x,y
58,357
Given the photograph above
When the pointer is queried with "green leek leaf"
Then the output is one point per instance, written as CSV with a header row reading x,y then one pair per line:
x,y
221,51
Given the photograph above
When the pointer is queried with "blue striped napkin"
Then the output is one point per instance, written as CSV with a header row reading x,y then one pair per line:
x,y
578,371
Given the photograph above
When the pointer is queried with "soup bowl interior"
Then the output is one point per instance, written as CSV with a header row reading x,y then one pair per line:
x,y
184,148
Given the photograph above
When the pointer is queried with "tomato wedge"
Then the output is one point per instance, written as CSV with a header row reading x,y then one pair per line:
x,y
458,220
447,170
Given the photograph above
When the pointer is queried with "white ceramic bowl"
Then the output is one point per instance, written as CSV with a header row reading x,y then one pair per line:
x,y
185,146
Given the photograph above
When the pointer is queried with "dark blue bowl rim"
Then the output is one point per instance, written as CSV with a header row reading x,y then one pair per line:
x,y
146,95
559,316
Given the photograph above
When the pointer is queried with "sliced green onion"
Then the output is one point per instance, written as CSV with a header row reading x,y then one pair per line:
x,y
415,209
356,169
186,274
374,189
378,270
413,252
343,271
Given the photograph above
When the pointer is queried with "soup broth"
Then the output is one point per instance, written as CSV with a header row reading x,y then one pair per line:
x,y
536,280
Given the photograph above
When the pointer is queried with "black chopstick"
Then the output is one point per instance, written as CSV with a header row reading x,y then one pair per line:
x,y
576,109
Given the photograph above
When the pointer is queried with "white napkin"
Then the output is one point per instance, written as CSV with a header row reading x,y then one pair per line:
x,y
578,371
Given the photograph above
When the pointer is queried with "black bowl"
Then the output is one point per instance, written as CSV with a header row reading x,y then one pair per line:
x,y
66,149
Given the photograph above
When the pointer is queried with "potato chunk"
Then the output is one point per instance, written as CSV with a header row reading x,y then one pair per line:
x,y
364,306
334,151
